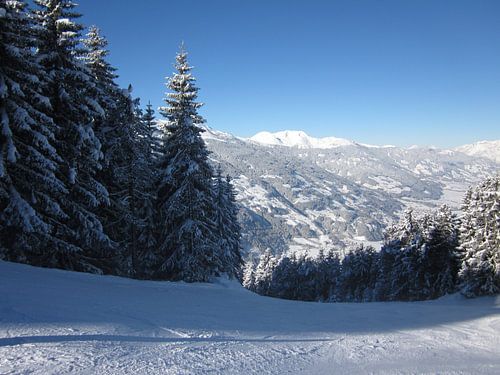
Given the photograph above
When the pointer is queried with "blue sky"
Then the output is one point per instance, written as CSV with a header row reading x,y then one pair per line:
x,y
397,72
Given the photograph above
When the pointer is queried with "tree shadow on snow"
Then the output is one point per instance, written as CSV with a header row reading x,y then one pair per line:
x,y
13,341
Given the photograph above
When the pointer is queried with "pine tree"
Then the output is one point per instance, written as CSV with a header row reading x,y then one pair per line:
x,y
145,176
123,156
95,56
187,234
28,159
228,228
69,86
127,142
357,279
439,263
306,278
263,274
106,92
480,234
148,119
249,275
332,268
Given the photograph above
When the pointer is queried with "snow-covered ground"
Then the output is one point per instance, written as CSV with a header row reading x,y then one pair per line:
x,y
57,322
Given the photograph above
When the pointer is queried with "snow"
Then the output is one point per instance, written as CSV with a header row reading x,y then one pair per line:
x,y
299,139
486,149
54,322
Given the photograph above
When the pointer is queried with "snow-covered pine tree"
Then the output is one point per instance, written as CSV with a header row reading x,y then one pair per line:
x,y
306,278
404,232
332,269
248,279
358,276
284,282
69,87
148,119
28,159
228,228
121,178
398,259
106,92
95,56
480,234
263,274
127,143
439,263
147,146
149,116
187,234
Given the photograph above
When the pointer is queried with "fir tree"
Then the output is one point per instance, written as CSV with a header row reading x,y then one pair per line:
x,y
148,119
187,234
358,276
105,91
121,217
480,233
29,208
331,268
439,263
228,228
69,86
248,280
145,175
263,274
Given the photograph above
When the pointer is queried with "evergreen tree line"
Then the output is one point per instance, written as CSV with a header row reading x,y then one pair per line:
x,y
86,183
422,257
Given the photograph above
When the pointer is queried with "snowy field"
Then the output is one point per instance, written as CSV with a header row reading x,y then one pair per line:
x,y
58,322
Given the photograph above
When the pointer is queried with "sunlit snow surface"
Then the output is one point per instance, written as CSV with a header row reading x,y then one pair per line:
x,y
57,322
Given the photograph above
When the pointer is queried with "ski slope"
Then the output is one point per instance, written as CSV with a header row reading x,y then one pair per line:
x,y
58,322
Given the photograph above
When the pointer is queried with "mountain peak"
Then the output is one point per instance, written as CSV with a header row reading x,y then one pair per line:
x,y
299,139
485,149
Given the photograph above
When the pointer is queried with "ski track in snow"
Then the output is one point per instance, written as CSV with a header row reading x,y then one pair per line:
x,y
56,322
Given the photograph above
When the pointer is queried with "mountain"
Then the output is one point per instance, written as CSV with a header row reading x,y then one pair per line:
x,y
303,194
292,138
485,149
300,193
60,322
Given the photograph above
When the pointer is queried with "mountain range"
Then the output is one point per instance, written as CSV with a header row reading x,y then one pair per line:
x,y
302,194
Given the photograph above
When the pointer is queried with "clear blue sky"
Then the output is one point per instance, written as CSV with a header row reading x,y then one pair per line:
x,y
376,71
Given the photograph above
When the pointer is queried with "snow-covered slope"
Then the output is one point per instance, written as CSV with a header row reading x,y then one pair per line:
x,y
59,322
485,149
302,194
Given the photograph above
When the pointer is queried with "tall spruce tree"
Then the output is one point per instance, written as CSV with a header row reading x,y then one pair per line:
x,y
127,144
228,228
29,188
480,234
120,218
106,92
143,194
440,261
187,233
69,87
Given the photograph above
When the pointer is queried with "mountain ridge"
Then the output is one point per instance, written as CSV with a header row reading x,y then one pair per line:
x,y
300,139
296,199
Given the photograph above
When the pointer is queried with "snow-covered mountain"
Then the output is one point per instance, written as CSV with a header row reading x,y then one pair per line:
x,y
299,193
293,138
485,149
